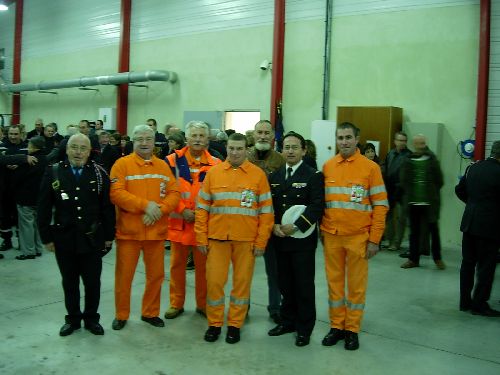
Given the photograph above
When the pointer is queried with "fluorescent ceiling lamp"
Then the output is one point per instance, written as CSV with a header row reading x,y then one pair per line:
x,y
3,7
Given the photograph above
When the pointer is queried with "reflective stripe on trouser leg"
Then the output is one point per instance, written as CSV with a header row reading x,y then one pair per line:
x,y
219,256
127,255
178,259
154,258
357,279
243,265
200,278
335,277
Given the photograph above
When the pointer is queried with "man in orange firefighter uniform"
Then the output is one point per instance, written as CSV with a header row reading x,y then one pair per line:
x,y
190,166
144,191
234,219
352,227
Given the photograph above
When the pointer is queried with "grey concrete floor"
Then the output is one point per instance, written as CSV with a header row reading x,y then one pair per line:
x,y
411,326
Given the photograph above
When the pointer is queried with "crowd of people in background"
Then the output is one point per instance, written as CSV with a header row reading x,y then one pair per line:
x,y
216,198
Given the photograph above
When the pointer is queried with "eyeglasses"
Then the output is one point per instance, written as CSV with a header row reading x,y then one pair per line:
x,y
141,139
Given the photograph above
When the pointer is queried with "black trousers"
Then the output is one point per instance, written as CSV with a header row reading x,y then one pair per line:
x,y
296,271
478,254
88,266
419,223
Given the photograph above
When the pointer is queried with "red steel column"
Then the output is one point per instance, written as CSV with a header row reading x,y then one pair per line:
x,y
482,80
278,57
123,66
16,74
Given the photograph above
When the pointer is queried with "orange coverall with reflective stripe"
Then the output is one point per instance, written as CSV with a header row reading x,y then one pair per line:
x,y
134,183
356,206
181,233
234,215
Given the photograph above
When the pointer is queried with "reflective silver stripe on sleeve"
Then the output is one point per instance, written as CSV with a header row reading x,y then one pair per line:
x,y
186,195
226,195
205,207
266,210
194,170
377,189
147,176
233,211
216,302
204,195
383,202
239,301
355,306
338,190
265,196
349,206
338,303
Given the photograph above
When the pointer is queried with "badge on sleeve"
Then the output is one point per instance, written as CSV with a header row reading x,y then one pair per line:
x,y
56,185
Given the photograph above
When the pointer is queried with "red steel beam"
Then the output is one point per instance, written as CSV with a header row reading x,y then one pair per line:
x,y
123,66
16,74
278,58
482,81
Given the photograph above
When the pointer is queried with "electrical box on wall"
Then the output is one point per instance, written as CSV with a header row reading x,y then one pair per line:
x,y
108,117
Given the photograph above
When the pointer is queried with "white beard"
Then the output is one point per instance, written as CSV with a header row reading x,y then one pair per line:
x,y
262,146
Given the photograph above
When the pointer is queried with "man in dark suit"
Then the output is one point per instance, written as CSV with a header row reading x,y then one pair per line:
x,y
108,154
480,190
83,227
296,183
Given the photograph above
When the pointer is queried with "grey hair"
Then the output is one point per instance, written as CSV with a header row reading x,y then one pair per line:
x,y
142,129
495,150
222,136
196,125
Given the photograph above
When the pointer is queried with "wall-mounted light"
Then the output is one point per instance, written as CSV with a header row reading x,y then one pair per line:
x,y
265,65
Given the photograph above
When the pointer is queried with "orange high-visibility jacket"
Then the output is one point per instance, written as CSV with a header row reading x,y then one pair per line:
x,y
134,183
355,196
234,204
190,174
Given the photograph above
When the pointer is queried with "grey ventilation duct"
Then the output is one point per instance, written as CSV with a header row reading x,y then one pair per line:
x,y
112,79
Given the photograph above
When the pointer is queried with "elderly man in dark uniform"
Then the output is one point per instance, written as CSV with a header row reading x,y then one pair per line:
x,y
480,190
295,238
83,227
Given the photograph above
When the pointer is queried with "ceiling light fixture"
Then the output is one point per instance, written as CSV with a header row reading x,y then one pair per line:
x,y
3,7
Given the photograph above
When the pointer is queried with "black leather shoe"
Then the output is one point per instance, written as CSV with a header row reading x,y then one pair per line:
x,y
154,321
118,324
233,335
24,257
1,256
212,334
351,341
333,337
67,329
486,312
280,329
38,254
94,328
302,340
405,255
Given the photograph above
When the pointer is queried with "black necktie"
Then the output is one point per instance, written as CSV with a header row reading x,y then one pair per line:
x,y
289,172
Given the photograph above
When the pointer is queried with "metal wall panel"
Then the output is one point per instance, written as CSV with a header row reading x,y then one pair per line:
x,y
493,120
7,22
62,26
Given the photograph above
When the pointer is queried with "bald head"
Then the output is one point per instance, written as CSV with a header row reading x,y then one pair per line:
x,y
419,143
78,150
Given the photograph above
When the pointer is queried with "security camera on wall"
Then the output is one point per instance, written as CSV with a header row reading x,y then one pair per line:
x,y
265,65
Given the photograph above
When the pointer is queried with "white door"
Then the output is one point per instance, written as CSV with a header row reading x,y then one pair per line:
x,y
323,136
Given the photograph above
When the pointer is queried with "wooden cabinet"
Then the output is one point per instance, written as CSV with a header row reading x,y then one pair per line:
x,y
375,123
